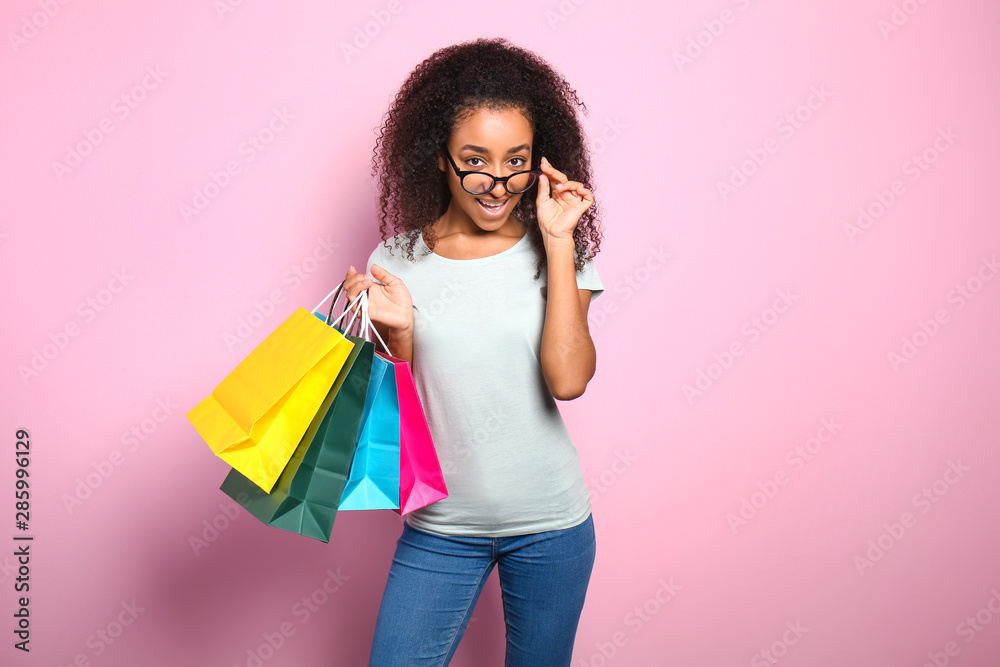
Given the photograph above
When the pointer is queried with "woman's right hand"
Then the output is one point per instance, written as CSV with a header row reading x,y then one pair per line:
x,y
389,304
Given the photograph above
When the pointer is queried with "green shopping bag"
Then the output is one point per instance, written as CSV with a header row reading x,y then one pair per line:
x,y
306,496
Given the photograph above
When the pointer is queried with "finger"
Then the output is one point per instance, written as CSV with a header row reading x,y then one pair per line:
x,y
554,173
569,186
582,199
353,285
576,195
384,276
354,278
544,189
351,271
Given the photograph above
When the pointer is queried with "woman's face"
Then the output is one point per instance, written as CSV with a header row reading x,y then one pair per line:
x,y
495,141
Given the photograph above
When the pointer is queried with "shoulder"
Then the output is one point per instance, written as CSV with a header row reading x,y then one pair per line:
x,y
397,251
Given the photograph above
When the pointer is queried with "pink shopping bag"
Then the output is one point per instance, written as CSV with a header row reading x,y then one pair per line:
x,y
421,481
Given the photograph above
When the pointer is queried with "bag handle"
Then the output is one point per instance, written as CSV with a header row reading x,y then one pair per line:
x,y
364,321
335,293
367,325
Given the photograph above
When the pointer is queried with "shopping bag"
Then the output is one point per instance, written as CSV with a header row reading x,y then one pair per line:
x,y
306,496
258,414
373,482
421,481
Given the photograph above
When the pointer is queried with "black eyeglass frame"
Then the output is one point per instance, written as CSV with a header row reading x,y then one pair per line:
x,y
496,179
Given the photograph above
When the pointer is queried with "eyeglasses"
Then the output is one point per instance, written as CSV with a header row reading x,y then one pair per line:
x,y
479,182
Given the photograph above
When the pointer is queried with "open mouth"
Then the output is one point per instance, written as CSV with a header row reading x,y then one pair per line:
x,y
494,208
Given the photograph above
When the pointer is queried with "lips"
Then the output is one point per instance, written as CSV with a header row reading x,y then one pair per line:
x,y
493,208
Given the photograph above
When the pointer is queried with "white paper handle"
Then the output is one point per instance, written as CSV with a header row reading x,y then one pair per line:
x,y
335,293
332,292
366,323
348,310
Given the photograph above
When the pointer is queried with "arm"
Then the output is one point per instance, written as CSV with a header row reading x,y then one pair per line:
x,y
568,356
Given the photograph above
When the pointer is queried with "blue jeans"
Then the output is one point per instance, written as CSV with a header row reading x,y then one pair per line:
x,y
435,581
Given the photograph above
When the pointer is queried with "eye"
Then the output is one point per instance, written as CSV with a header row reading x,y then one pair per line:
x,y
475,162
518,163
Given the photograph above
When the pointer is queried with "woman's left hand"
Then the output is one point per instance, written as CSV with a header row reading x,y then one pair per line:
x,y
560,203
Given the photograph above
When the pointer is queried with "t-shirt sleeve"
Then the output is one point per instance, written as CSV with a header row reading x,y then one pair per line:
x,y
588,279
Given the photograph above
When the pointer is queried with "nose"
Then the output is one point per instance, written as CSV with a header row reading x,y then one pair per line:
x,y
498,191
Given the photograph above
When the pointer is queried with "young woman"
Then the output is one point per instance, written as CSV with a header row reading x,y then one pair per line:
x,y
484,288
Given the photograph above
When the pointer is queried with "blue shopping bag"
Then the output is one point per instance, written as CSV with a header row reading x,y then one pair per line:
x,y
373,482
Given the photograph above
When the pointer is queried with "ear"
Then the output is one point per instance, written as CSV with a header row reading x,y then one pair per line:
x,y
441,165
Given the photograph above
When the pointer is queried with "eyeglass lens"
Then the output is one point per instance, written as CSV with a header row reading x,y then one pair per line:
x,y
482,183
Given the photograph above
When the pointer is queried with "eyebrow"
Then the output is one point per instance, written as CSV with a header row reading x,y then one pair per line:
x,y
481,149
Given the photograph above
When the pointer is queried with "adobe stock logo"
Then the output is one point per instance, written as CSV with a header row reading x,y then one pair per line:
x,y
914,168
295,276
927,330
608,134
628,286
779,648
88,310
786,127
121,108
635,620
924,500
363,35
252,146
102,639
969,628
754,503
303,610
212,528
564,10
705,38
30,25
223,7
752,329
103,469
599,485
899,17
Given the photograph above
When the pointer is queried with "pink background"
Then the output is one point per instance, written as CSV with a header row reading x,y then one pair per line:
x,y
874,545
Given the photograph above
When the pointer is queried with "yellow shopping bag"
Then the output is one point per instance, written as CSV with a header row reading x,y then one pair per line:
x,y
258,414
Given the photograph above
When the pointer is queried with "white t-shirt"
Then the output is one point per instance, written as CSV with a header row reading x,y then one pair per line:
x,y
507,458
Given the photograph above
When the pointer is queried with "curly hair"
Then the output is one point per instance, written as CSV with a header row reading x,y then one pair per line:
x,y
442,90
